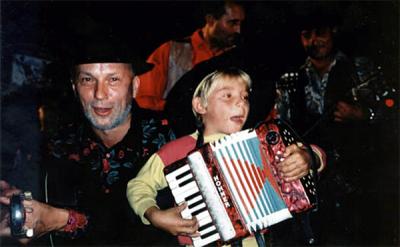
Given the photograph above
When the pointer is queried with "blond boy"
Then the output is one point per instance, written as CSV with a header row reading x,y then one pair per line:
x,y
221,103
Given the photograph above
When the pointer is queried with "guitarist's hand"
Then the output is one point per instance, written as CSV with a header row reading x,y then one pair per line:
x,y
345,112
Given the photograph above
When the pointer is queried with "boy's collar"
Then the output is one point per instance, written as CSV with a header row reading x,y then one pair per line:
x,y
213,137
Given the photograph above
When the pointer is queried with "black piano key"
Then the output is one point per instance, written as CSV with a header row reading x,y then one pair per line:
x,y
201,228
208,234
195,204
198,211
183,174
192,196
181,184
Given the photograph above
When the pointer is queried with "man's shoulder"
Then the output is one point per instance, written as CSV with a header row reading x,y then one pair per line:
x,y
182,141
155,127
65,140
177,149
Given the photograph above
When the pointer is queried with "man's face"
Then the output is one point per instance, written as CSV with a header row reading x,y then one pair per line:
x,y
227,107
105,91
225,30
318,43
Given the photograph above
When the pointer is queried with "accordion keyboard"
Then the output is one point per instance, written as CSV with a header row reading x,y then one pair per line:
x,y
184,189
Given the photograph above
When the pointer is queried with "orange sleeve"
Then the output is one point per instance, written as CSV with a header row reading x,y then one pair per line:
x,y
153,82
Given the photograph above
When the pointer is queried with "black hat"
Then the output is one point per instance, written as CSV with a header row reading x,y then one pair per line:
x,y
109,49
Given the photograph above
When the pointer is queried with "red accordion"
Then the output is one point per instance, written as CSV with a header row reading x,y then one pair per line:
x,y
232,185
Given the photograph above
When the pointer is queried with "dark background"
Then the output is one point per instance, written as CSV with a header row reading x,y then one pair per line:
x,y
50,30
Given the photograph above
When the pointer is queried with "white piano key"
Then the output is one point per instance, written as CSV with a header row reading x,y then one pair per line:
x,y
205,220
186,214
198,207
198,242
179,198
207,230
181,190
202,216
196,199
175,183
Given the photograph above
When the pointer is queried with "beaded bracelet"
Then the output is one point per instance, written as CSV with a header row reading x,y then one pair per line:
x,y
75,221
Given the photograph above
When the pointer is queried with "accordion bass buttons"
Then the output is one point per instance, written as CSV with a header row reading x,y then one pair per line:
x,y
272,137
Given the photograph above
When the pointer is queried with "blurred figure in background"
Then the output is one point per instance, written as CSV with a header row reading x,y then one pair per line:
x,y
338,103
223,20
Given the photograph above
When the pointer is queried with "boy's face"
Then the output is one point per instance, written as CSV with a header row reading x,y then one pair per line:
x,y
227,107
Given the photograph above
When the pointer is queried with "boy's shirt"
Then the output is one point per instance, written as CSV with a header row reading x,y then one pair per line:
x,y
142,190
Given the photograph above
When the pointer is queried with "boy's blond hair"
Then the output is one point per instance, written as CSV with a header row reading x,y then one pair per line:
x,y
209,82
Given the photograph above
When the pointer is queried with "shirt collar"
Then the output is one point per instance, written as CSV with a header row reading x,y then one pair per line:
x,y
339,56
209,138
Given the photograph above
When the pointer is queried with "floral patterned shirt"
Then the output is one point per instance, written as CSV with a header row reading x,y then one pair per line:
x,y
86,175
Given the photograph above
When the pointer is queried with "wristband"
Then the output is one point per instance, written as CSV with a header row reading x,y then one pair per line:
x,y
75,221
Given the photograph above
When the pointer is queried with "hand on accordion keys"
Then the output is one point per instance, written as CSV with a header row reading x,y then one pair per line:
x,y
170,220
294,162
244,182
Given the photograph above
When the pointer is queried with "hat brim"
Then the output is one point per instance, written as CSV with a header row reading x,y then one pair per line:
x,y
139,66
110,50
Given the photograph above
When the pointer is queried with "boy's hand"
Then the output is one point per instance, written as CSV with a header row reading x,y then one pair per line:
x,y
296,163
170,220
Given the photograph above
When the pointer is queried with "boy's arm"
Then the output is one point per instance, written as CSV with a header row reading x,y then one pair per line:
x,y
142,190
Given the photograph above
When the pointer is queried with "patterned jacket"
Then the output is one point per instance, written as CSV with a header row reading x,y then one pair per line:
x,y
85,175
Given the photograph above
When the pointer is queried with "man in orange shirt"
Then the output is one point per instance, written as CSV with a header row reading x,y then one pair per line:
x,y
174,58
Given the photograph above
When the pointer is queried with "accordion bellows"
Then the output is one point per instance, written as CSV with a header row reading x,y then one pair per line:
x,y
232,185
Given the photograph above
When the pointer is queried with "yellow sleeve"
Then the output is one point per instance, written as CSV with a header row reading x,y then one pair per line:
x,y
142,190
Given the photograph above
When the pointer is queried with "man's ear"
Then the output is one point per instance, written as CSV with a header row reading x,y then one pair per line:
x,y
135,86
198,106
210,20
74,89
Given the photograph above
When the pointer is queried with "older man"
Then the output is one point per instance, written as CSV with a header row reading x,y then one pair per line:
x,y
91,163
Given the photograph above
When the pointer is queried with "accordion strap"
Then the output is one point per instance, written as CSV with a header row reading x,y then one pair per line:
x,y
200,137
